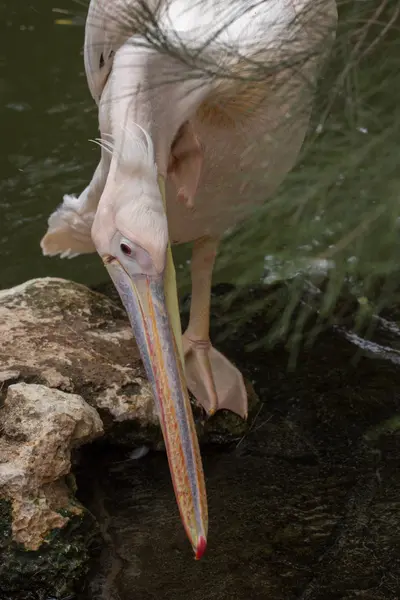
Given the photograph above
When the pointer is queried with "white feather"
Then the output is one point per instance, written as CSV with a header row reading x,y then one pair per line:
x,y
69,228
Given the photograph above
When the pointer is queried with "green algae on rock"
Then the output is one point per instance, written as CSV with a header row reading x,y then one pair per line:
x,y
54,569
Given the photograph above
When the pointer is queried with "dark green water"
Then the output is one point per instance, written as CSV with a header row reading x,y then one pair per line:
x,y
47,117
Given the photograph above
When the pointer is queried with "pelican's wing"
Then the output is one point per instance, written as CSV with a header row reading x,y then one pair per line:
x,y
69,228
70,225
253,50
69,231
231,30
262,49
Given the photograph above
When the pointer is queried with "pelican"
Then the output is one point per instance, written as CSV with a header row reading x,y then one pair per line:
x,y
203,107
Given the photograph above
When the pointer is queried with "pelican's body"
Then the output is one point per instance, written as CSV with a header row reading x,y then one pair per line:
x,y
234,182
239,147
220,128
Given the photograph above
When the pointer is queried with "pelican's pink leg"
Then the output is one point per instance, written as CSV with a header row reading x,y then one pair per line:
x,y
211,378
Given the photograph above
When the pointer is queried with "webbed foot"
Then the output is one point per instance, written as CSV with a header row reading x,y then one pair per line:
x,y
212,379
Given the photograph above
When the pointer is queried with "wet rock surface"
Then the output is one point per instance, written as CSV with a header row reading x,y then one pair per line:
x,y
306,505
70,372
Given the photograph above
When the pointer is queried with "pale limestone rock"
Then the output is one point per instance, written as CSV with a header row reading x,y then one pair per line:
x,y
125,406
8,376
63,335
78,346
40,426
65,338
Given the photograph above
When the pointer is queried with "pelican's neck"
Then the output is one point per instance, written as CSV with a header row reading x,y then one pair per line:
x,y
153,91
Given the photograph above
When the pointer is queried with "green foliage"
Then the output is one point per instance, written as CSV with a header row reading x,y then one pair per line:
x,y
338,210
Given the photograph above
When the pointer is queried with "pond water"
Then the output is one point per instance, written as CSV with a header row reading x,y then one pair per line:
x,y
305,506
47,117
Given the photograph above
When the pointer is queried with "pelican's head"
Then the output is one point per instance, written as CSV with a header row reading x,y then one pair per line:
x,y
130,225
130,232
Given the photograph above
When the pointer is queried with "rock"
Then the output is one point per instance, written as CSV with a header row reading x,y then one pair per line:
x,y
40,427
70,371
63,335
55,571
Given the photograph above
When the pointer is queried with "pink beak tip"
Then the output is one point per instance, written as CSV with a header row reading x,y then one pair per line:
x,y
201,547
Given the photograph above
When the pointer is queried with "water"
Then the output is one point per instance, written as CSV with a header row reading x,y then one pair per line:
x,y
303,507
47,117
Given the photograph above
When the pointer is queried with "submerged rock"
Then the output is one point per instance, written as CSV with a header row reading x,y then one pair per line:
x,y
70,372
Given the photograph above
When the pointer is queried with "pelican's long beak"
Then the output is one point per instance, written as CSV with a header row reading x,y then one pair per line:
x,y
153,317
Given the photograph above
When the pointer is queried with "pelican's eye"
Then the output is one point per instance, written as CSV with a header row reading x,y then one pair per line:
x,y
134,258
125,249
